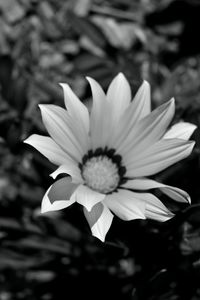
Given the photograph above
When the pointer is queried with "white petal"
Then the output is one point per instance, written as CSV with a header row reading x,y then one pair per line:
x,y
147,131
119,95
126,205
64,131
75,107
143,184
142,101
181,130
100,219
87,197
129,205
70,169
156,210
100,129
159,156
58,196
49,148
138,109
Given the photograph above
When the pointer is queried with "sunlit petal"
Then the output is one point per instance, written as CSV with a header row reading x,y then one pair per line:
x,y
49,148
87,197
158,157
99,120
75,107
141,105
99,219
63,130
147,131
156,210
119,95
181,130
138,109
70,169
143,184
58,196
126,205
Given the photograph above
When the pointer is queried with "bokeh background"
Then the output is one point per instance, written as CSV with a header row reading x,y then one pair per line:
x,y
54,256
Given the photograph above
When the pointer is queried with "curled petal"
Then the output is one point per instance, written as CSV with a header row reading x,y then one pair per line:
x,y
129,205
49,148
156,210
143,184
126,205
59,195
70,169
181,130
87,197
99,219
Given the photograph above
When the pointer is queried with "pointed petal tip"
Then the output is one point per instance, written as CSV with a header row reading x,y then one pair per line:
x,y
90,80
146,83
42,107
30,139
101,238
145,86
172,100
64,85
121,76
188,199
26,141
46,205
181,130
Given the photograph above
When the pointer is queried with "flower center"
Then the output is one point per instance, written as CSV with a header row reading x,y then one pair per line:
x,y
101,174
102,170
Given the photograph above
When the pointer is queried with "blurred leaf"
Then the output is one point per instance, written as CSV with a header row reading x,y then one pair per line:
x,y
81,7
120,35
85,27
12,10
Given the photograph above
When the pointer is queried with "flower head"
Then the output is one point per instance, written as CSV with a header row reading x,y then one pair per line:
x,y
109,153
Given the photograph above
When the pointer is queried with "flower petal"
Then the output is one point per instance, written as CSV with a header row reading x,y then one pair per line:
x,y
147,131
119,95
70,169
87,197
159,156
138,109
181,130
100,129
64,131
59,195
75,107
127,205
156,210
100,219
143,184
142,102
49,148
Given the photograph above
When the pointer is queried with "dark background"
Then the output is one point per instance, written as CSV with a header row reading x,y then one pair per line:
x,y
54,256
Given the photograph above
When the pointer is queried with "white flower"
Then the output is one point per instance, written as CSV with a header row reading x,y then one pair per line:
x,y
109,153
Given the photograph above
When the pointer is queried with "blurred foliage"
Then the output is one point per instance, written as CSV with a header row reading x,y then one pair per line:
x,y
53,256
